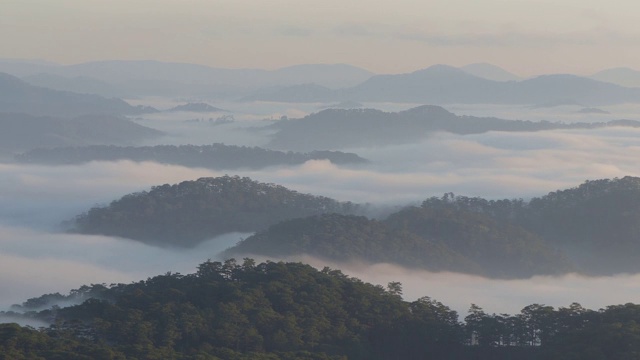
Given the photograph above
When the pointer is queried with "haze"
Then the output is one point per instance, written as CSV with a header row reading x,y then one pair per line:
x,y
526,37
36,199
274,43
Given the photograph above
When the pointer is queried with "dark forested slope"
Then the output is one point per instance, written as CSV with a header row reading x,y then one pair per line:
x,y
215,156
596,223
193,211
500,248
416,238
348,238
591,229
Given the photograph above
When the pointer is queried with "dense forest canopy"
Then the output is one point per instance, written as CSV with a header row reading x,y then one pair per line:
x,y
190,212
416,238
281,310
591,229
215,156
347,238
597,223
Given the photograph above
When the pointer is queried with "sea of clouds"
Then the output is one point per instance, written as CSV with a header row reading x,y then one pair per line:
x,y
37,258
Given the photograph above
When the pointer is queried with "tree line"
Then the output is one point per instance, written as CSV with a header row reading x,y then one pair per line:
x,y
276,310
214,156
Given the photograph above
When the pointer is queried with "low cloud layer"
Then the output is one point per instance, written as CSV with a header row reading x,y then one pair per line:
x,y
35,199
492,165
33,263
459,291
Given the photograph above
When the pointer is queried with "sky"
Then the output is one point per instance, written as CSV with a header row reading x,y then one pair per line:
x,y
526,37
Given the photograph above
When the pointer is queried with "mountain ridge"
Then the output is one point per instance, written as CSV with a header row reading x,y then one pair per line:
x,y
21,97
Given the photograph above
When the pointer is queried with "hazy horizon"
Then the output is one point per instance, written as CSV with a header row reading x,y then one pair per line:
x,y
417,67
580,37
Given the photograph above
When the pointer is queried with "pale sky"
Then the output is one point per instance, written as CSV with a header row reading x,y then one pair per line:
x,y
527,37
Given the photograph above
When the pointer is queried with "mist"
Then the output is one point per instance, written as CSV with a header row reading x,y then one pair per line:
x,y
459,291
36,258
33,263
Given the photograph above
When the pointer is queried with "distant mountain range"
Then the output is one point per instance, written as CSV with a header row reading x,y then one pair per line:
x,y
21,132
350,128
441,84
76,84
490,72
197,107
621,76
328,83
144,78
21,97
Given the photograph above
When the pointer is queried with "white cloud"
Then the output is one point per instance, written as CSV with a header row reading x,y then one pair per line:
x,y
494,165
459,291
33,263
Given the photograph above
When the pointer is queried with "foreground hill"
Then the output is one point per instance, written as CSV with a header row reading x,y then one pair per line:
x,y
188,213
215,156
21,97
292,311
345,128
21,132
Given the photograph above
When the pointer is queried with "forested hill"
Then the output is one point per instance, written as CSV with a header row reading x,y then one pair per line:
x,y
347,238
292,311
597,223
190,212
350,128
593,229
215,156
441,240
